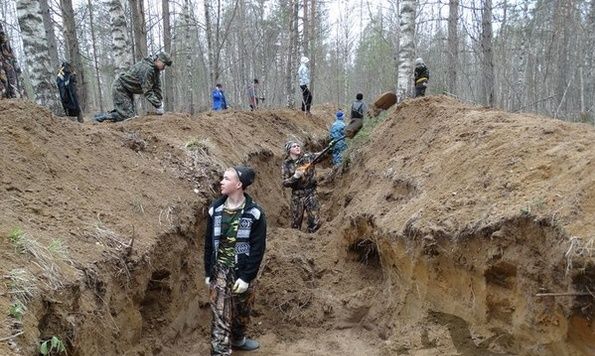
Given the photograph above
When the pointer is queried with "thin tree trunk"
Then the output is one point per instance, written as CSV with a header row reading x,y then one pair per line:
x,y
189,71
210,47
487,55
48,24
453,45
406,48
167,82
95,60
139,28
120,42
37,54
313,44
73,50
291,53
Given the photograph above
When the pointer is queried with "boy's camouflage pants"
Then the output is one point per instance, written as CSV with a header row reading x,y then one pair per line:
x,y
231,312
123,102
305,200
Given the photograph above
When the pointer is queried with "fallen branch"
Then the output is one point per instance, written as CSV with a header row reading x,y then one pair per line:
x,y
567,294
11,336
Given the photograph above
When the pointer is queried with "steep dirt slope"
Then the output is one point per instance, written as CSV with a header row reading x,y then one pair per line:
x,y
110,216
438,234
473,212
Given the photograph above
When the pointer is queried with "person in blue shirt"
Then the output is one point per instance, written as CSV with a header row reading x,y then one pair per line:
x,y
336,132
219,102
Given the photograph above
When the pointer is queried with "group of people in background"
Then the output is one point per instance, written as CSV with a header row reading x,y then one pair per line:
x,y
220,102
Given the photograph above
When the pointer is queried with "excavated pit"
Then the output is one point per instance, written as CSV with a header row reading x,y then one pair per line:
x,y
435,241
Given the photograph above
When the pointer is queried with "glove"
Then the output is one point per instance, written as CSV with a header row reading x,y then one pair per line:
x,y
240,286
208,281
299,173
160,110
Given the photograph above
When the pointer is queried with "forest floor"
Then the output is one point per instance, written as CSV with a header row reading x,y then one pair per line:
x,y
444,231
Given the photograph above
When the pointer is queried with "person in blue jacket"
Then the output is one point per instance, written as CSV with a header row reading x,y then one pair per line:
x,y
336,132
219,102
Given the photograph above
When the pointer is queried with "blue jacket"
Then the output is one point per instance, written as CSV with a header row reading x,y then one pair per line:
x,y
219,102
337,129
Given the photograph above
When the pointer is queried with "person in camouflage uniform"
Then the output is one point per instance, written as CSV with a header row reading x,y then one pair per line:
x,y
303,186
142,78
8,68
235,242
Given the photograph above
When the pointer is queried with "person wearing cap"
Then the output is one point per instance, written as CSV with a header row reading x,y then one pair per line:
x,y
235,241
422,75
144,78
302,181
336,133
218,95
304,79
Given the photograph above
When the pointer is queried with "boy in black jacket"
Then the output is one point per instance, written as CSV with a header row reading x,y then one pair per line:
x,y
235,241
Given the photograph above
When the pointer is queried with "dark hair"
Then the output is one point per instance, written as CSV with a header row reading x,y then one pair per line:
x,y
218,85
255,81
359,96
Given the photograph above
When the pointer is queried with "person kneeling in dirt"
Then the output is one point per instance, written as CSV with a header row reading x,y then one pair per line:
x,y
142,78
235,241
300,176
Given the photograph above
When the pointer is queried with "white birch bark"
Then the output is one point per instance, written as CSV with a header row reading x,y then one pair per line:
x,y
406,49
37,54
120,41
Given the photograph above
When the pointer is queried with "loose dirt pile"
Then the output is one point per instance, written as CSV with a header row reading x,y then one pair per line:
x,y
440,230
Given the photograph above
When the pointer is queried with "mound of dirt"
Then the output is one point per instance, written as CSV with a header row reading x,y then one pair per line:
x,y
446,232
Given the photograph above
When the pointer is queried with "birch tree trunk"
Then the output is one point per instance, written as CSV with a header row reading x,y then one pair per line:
x,y
187,24
120,42
48,24
73,50
37,54
290,75
487,55
406,48
167,80
139,29
210,47
312,42
95,59
453,45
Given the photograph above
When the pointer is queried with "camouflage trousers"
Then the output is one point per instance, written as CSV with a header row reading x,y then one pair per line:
x,y
305,200
123,102
231,312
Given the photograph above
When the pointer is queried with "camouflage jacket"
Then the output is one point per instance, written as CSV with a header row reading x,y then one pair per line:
x,y
143,78
308,180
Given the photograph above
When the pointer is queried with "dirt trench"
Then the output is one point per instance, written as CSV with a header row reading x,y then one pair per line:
x,y
411,259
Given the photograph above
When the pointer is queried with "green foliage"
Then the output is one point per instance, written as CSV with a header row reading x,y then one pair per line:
x,y
17,310
196,144
53,346
16,236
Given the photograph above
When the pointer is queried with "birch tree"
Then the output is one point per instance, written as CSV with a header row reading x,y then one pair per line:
x,y
37,54
406,48
487,55
120,41
167,80
453,44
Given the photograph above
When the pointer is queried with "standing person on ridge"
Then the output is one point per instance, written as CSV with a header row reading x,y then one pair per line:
x,y
422,75
302,182
219,102
336,133
66,81
254,99
358,110
144,78
304,79
235,241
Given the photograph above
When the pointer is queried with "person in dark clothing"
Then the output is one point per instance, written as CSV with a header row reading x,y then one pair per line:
x,y
304,80
144,78
422,75
66,82
235,242
358,112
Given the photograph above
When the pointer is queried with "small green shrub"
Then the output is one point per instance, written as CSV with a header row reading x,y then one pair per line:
x,y
17,237
17,310
53,346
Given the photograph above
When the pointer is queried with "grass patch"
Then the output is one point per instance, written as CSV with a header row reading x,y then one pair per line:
x,y
22,285
17,310
199,144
